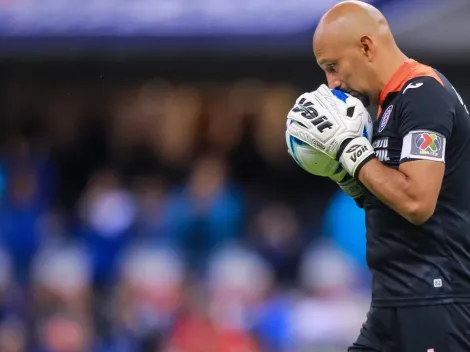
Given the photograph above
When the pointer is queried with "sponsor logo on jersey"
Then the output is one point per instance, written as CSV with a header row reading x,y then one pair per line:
x,y
385,118
412,86
381,149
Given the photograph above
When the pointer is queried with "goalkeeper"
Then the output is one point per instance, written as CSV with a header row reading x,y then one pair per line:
x,y
416,180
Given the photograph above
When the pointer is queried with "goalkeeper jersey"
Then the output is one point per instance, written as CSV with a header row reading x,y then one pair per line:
x,y
421,116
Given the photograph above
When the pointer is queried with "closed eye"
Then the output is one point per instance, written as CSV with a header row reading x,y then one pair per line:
x,y
331,68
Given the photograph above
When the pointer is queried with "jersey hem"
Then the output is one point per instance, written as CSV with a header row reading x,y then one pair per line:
x,y
419,301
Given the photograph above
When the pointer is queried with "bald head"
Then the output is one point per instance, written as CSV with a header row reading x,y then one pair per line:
x,y
349,21
355,47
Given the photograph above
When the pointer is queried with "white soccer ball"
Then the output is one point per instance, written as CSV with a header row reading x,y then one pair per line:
x,y
315,161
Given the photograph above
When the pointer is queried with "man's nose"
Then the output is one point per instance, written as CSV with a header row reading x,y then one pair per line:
x,y
333,81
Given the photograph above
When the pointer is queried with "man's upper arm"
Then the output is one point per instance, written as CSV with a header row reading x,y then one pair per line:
x,y
426,124
426,113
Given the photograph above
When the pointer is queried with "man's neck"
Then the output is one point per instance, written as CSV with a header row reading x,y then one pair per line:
x,y
389,67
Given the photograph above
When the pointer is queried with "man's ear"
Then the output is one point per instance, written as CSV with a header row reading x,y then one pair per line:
x,y
368,48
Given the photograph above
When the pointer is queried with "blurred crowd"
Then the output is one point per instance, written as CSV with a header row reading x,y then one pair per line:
x,y
162,216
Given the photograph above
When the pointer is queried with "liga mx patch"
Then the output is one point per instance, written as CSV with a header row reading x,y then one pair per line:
x,y
425,145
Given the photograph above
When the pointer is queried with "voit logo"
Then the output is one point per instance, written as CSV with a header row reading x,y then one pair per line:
x,y
356,150
429,143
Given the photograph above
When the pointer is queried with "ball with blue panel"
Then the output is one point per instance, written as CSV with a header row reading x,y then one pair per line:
x,y
316,162
368,124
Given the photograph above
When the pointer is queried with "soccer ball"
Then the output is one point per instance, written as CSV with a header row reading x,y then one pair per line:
x,y
315,161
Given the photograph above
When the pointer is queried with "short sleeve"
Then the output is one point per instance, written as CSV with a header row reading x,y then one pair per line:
x,y
426,114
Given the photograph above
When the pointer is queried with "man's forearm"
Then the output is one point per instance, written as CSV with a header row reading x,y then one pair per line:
x,y
392,187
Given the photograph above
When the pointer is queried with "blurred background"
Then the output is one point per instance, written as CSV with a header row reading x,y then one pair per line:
x,y
147,201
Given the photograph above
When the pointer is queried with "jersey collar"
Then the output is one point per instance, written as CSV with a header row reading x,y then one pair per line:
x,y
404,73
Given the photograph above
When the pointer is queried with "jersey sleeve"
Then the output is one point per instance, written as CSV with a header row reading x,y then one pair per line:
x,y
426,120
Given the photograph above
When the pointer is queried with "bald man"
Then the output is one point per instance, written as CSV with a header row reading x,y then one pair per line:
x,y
417,179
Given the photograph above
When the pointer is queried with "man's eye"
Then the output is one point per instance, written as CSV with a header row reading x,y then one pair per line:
x,y
331,68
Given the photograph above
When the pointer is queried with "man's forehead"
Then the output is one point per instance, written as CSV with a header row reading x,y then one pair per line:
x,y
325,50
328,45
328,35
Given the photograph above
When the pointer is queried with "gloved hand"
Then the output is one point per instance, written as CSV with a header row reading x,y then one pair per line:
x,y
350,186
333,126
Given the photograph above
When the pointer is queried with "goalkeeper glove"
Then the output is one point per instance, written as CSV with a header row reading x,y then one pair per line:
x,y
332,126
355,153
350,186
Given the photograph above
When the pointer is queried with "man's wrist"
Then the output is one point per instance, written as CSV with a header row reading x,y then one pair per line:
x,y
363,163
355,153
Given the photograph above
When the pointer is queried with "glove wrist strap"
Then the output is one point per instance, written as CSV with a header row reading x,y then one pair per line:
x,y
355,154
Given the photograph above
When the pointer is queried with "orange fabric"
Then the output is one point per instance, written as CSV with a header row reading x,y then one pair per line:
x,y
408,70
196,334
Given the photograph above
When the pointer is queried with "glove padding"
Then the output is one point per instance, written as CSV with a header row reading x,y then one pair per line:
x,y
348,184
322,121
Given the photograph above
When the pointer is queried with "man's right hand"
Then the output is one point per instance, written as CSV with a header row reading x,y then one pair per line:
x,y
349,185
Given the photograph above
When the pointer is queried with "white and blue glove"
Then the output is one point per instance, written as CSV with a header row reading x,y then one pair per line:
x,y
334,127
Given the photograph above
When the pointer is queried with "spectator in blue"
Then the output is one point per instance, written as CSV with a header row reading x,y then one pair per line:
x,y
279,241
151,195
107,215
272,323
20,220
206,212
19,156
344,223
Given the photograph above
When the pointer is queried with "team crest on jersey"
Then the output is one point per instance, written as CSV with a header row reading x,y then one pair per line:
x,y
385,118
429,143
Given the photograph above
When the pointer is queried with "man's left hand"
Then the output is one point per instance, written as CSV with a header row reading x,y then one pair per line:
x,y
321,120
